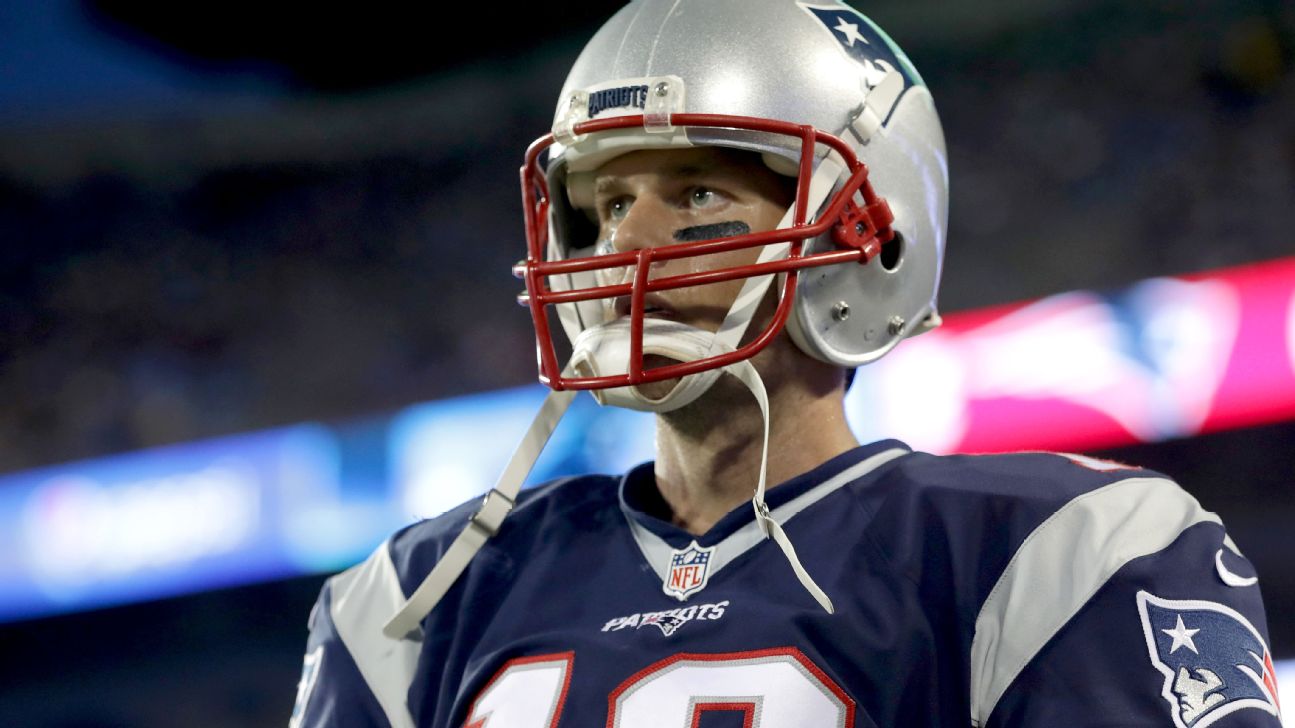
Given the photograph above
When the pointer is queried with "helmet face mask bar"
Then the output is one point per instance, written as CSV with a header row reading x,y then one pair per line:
x,y
857,232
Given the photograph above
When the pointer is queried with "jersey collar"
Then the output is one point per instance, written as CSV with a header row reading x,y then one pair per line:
x,y
737,531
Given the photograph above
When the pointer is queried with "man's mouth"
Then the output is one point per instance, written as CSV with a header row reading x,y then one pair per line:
x,y
653,307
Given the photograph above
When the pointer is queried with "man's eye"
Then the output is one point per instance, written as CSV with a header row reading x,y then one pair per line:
x,y
700,197
618,208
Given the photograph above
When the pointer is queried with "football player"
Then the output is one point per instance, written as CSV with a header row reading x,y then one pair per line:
x,y
739,202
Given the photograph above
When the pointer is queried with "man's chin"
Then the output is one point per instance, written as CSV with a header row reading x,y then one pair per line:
x,y
657,390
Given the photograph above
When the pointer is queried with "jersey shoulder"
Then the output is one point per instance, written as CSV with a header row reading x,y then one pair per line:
x,y
973,528
1034,477
552,511
1062,565
1058,564
352,674
986,506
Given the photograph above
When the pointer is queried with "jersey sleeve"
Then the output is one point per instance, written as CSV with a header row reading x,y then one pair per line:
x,y
332,693
1130,607
353,675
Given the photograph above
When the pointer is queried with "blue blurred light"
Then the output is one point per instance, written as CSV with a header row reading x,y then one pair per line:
x,y
275,504
156,523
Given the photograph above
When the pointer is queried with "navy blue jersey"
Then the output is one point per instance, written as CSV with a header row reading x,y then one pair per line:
x,y
1030,589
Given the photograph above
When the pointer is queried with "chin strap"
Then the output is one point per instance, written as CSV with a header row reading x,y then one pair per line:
x,y
748,299
747,374
687,343
483,524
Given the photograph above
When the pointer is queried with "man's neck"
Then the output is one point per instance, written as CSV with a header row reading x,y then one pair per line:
x,y
709,453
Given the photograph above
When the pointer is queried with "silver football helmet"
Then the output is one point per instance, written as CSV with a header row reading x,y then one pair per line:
x,y
825,96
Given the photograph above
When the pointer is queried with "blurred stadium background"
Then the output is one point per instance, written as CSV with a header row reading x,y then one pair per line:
x,y
255,295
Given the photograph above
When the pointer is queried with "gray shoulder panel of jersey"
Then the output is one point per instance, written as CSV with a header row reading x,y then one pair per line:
x,y
1059,567
363,597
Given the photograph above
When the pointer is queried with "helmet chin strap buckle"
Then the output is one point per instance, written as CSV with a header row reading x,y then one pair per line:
x,y
763,516
494,509
881,94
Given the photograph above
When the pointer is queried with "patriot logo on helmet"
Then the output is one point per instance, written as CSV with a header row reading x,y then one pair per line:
x,y
1214,661
860,39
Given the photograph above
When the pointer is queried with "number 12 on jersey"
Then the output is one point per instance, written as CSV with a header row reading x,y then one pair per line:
x,y
773,688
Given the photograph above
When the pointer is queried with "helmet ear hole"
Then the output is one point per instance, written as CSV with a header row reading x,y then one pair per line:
x,y
577,223
581,231
892,252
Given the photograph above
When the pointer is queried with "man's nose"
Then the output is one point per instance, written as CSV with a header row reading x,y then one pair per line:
x,y
648,224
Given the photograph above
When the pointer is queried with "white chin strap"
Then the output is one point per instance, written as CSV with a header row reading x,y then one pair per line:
x,y
771,528
603,349
405,623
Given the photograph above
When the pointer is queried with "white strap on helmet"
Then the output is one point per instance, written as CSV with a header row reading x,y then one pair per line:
x,y
405,623
483,524
747,374
753,289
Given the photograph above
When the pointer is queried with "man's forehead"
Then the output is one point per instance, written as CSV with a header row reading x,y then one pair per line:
x,y
676,163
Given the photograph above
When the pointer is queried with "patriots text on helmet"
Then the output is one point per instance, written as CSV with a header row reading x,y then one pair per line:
x,y
614,98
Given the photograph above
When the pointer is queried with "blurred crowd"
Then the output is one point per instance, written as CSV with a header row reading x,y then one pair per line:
x,y
167,279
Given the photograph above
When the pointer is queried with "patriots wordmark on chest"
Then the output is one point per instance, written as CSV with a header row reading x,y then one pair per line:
x,y
689,571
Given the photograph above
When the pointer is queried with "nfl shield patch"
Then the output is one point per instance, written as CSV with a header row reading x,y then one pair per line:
x,y
1214,661
688,572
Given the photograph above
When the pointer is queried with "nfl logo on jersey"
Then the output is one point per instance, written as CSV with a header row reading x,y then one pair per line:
x,y
689,570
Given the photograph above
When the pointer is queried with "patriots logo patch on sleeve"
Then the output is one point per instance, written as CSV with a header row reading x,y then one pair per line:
x,y
1213,659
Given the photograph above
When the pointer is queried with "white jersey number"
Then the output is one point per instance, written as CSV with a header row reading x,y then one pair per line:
x,y
527,693
776,688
